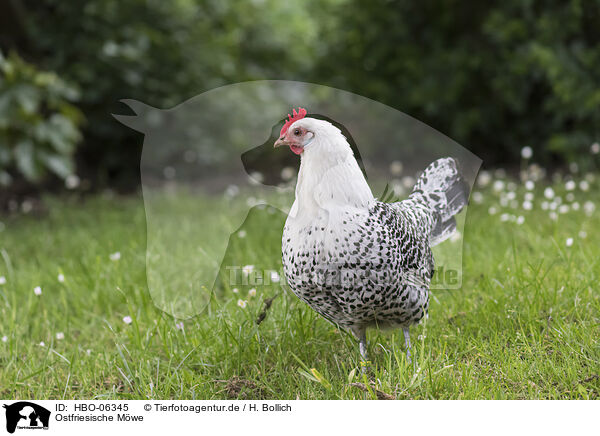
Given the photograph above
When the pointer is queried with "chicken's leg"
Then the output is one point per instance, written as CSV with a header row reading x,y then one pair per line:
x,y
407,343
361,335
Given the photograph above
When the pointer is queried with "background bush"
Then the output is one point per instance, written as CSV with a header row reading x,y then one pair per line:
x,y
39,127
161,53
493,76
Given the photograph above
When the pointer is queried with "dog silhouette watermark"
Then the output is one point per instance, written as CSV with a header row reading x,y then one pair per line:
x,y
26,415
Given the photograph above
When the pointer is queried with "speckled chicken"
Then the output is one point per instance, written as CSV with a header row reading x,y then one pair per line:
x,y
355,260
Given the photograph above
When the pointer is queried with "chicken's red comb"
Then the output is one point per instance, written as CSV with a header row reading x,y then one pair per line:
x,y
292,119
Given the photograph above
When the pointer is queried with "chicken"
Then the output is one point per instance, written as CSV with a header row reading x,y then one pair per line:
x,y
357,261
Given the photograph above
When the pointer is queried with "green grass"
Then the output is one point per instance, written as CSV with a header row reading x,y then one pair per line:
x,y
524,325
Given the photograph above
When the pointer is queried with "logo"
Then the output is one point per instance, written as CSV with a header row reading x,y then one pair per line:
x,y
26,415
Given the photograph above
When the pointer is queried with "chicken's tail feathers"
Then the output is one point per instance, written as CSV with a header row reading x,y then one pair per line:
x,y
443,190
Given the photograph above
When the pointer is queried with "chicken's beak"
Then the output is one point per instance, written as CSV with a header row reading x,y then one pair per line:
x,y
280,142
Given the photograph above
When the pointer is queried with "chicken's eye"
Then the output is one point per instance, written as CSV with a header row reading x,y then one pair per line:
x,y
297,132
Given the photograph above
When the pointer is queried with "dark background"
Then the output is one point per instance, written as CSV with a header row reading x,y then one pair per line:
x,y
494,76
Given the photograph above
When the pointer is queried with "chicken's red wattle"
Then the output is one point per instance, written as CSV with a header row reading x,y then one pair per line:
x,y
296,149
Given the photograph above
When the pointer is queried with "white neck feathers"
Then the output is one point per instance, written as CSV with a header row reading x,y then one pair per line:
x,y
329,176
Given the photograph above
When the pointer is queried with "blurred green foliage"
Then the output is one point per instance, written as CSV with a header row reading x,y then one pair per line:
x,y
161,53
493,76
39,127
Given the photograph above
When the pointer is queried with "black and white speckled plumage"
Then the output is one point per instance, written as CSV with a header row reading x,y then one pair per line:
x,y
372,267
355,260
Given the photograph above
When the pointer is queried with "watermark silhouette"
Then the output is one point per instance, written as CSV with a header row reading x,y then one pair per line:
x,y
208,162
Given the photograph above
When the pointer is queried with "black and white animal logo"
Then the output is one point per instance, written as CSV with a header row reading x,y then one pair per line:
x,y
26,415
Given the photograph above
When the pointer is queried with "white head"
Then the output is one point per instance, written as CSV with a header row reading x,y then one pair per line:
x,y
329,174
310,136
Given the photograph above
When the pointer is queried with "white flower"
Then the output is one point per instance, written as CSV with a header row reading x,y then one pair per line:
x,y
563,208
504,217
42,344
549,193
72,181
573,167
544,205
511,195
529,185
569,242
179,325
584,185
498,185
455,236
255,178
408,182
570,196
477,197
27,206
288,173
520,219
88,352
396,168
492,210
529,196
115,256
275,277
251,201
575,206
61,278
252,292
232,191
127,319
247,269
60,336
526,152
235,290
484,178
527,205
2,280
37,290
242,303
570,185
242,234
397,187
583,234
4,338
589,208
553,216
595,148
553,205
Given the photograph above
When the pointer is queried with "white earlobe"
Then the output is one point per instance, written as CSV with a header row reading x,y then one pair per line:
x,y
309,137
